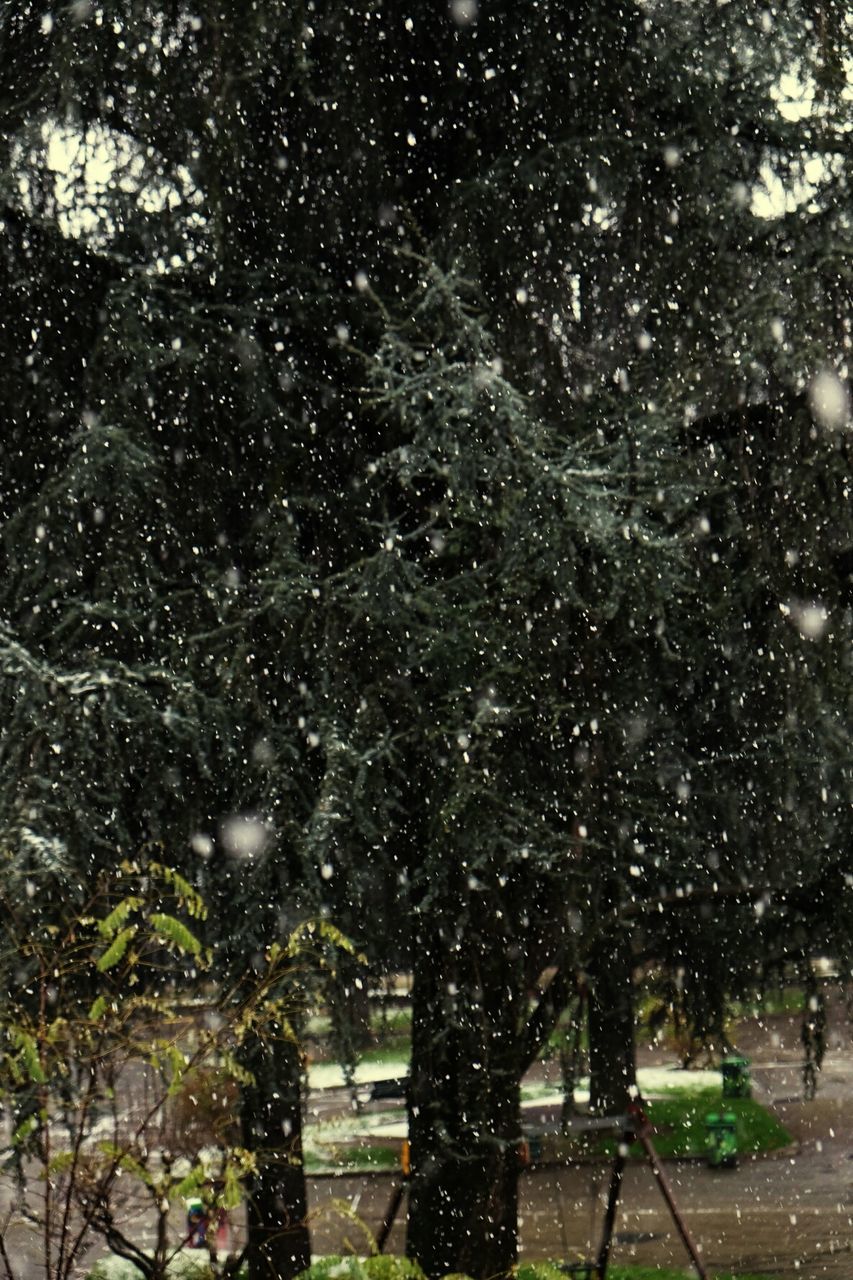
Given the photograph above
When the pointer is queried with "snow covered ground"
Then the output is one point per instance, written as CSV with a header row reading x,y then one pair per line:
x,y
651,1080
390,1125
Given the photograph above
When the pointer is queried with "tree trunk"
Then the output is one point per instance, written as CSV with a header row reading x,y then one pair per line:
x,y
612,1064
464,1117
279,1241
349,1009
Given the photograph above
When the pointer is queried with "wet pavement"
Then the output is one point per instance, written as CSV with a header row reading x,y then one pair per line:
x,y
757,1218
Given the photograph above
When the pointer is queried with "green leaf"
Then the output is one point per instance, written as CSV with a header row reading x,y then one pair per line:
x,y
60,1161
117,1156
232,1192
191,1184
324,930
138,1170
24,1130
98,1009
115,952
168,1059
176,932
29,1054
188,896
234,1069
57,1030
118,916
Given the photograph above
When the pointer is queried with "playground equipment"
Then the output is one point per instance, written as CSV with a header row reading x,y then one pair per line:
x,y
638,1129
633,1127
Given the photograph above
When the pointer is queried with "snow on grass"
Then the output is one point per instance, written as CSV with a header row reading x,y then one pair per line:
x,y
184,1266
328,1075
390,1125
651,1081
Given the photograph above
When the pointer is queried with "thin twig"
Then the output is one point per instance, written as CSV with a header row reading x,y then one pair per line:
x,y
10,1275
72,1173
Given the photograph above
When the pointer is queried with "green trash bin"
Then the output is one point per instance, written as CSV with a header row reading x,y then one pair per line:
x,y
721,1139
736,1079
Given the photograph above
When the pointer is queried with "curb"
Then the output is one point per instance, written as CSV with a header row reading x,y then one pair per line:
x,y
779,1153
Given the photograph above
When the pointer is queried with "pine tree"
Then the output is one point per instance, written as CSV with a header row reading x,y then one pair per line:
x,y
765,770
382,536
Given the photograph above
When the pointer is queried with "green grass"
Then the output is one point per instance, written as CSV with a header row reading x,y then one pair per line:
x,y
679,1121
549,1271
393,1028
393,1048
353,1159
398,1018
787,1000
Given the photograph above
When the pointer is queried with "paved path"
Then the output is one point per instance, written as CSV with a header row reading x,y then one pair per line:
x,y
753,1219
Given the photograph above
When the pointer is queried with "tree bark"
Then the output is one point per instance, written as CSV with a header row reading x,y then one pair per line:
x,y
464,1116
277,1211
612,1061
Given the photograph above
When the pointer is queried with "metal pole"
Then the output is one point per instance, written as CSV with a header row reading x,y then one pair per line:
x,y
390,1215
616,1173
666,1191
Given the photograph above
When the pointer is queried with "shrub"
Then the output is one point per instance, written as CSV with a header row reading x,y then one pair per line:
x,y
380,1266
184,1266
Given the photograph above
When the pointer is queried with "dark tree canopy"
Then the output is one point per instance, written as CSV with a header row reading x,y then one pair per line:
x,y
424,486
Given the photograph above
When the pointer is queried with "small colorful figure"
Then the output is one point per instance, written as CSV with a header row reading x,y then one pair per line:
x,y
196,1225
